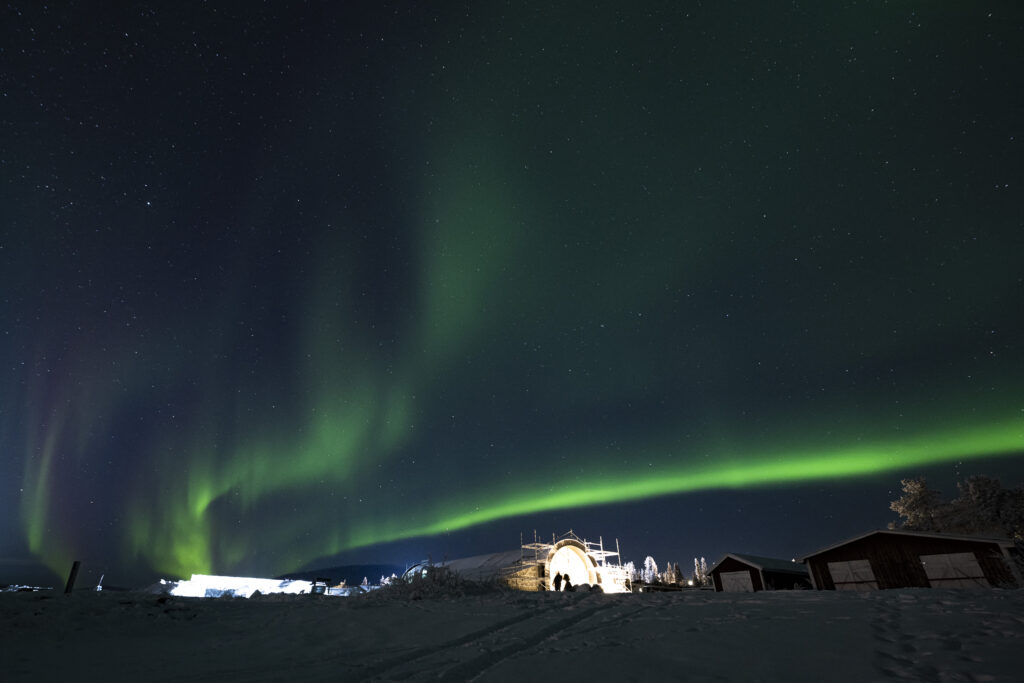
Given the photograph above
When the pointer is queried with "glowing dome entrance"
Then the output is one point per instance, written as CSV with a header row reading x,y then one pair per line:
x,y
569,556
534,565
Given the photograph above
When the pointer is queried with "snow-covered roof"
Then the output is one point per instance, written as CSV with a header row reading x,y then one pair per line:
x,y
772,564
1003,542
483,566
477,567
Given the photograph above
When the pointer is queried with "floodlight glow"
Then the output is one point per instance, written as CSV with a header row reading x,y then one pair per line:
x,y
208,586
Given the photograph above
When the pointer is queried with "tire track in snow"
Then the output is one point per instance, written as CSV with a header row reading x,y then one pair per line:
x,y
335,666
476,667
412,657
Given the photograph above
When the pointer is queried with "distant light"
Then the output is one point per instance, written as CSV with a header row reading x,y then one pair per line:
x,y
207,586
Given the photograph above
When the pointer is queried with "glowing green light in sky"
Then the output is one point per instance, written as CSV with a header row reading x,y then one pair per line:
x,y
727,471
191,534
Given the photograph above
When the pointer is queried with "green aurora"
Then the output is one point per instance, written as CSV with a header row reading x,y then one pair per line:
x,y
621,260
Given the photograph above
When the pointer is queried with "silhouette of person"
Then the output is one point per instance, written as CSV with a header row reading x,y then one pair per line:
x,y
567,585
558,582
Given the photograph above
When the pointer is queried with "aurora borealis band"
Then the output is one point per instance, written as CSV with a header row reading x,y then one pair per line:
x,y
289,281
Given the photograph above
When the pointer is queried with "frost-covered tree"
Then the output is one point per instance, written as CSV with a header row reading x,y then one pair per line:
x,y
669,575
631,569
700,572
920,507
650,574
983,507
678,574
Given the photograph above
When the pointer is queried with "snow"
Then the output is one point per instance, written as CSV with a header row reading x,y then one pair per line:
x,y
490,635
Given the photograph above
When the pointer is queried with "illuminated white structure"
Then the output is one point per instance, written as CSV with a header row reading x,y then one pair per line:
x,y
207,586
534,566
585,563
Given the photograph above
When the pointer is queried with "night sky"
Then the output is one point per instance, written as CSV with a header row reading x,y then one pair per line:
x,y
295,283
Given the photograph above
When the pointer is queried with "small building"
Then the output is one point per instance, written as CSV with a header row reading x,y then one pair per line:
x,y
736,573
913,559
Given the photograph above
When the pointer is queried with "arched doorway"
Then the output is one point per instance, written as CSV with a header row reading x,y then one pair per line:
x,y
569,556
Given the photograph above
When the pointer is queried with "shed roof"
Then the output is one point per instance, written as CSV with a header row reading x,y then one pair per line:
x,y
768,564
1002,542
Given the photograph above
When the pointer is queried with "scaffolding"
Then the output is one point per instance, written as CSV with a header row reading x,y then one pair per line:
x,y
530,573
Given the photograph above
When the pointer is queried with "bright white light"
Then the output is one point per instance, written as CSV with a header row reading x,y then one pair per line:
x,y
572,562
207,586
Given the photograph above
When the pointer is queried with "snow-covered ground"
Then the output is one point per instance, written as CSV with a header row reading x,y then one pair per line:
x,y
920,635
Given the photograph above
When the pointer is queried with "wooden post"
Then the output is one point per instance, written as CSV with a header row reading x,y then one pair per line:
x,y
71,578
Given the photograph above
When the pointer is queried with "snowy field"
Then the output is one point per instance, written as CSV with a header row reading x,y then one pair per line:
x,y
919,635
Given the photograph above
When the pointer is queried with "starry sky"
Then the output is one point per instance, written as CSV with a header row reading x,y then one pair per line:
x,y
293,283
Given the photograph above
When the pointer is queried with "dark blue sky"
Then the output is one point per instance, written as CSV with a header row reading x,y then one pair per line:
x,y
287,283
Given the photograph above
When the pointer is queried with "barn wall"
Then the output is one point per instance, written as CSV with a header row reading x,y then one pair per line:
x,y
896,559
781,581
993,563
818,568
731,564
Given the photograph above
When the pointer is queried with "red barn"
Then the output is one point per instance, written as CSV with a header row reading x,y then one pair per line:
x,y
749,573
913,559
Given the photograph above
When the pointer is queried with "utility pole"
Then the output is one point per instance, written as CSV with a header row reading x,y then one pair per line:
x,y
70,585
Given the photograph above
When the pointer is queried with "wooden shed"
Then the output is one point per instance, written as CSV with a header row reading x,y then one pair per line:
x,y
913,559
749,573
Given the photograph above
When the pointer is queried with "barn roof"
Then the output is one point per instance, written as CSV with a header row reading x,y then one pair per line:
x,y
1002,542
768,564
